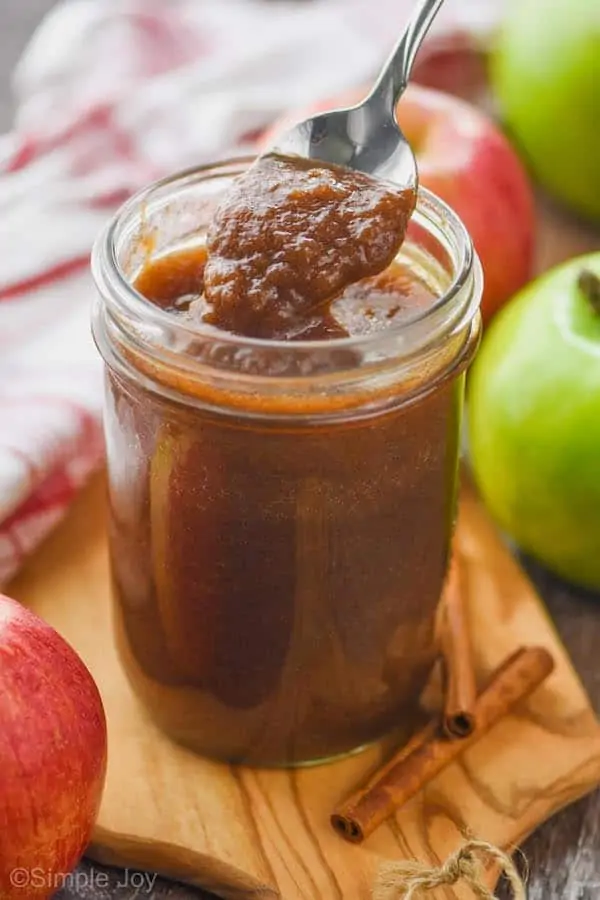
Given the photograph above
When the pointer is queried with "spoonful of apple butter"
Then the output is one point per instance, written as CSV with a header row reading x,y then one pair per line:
x,y
327,206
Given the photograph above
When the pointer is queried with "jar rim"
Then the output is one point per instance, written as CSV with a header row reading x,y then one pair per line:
x,y
416,330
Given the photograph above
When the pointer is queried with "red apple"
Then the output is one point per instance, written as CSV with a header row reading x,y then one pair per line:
x,y
466,160
52,755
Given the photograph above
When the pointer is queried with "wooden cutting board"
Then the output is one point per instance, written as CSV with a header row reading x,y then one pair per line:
x,y
264,834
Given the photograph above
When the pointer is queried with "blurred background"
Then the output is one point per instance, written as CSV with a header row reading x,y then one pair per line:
x,y
18,18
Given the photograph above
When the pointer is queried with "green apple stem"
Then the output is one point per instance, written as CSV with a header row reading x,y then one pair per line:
x,y
589,285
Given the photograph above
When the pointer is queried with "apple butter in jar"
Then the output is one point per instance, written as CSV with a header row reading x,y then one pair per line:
x,y
285,348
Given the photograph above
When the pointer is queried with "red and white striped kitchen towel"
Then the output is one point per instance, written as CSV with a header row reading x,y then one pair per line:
x,y
111,94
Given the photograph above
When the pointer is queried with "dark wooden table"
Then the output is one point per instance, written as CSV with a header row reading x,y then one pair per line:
x,y
564,855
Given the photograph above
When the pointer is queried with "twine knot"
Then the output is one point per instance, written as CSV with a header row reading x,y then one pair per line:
x,y
407,879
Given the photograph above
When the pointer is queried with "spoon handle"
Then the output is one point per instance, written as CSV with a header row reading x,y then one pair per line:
x,y
395,74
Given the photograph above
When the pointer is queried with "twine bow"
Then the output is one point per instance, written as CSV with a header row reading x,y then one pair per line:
x,y
407,880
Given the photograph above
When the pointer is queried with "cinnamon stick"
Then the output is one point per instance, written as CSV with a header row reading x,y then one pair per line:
x,y
429,752
460,686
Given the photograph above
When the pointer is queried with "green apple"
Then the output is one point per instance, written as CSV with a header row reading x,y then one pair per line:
x,y
546,75
534,419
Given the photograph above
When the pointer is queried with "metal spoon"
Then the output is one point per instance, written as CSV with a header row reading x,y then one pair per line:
x,y
367,137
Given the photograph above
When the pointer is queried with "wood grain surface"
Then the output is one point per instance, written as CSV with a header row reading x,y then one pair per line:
x,y
263,834
562,856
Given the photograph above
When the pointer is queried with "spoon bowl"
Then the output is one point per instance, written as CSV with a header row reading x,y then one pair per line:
x,y
367,137
356,138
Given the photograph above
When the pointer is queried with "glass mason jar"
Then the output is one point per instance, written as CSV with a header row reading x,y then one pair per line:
x,y
280,513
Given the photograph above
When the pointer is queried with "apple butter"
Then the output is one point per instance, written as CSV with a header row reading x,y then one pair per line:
x,y
289,236
282,449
